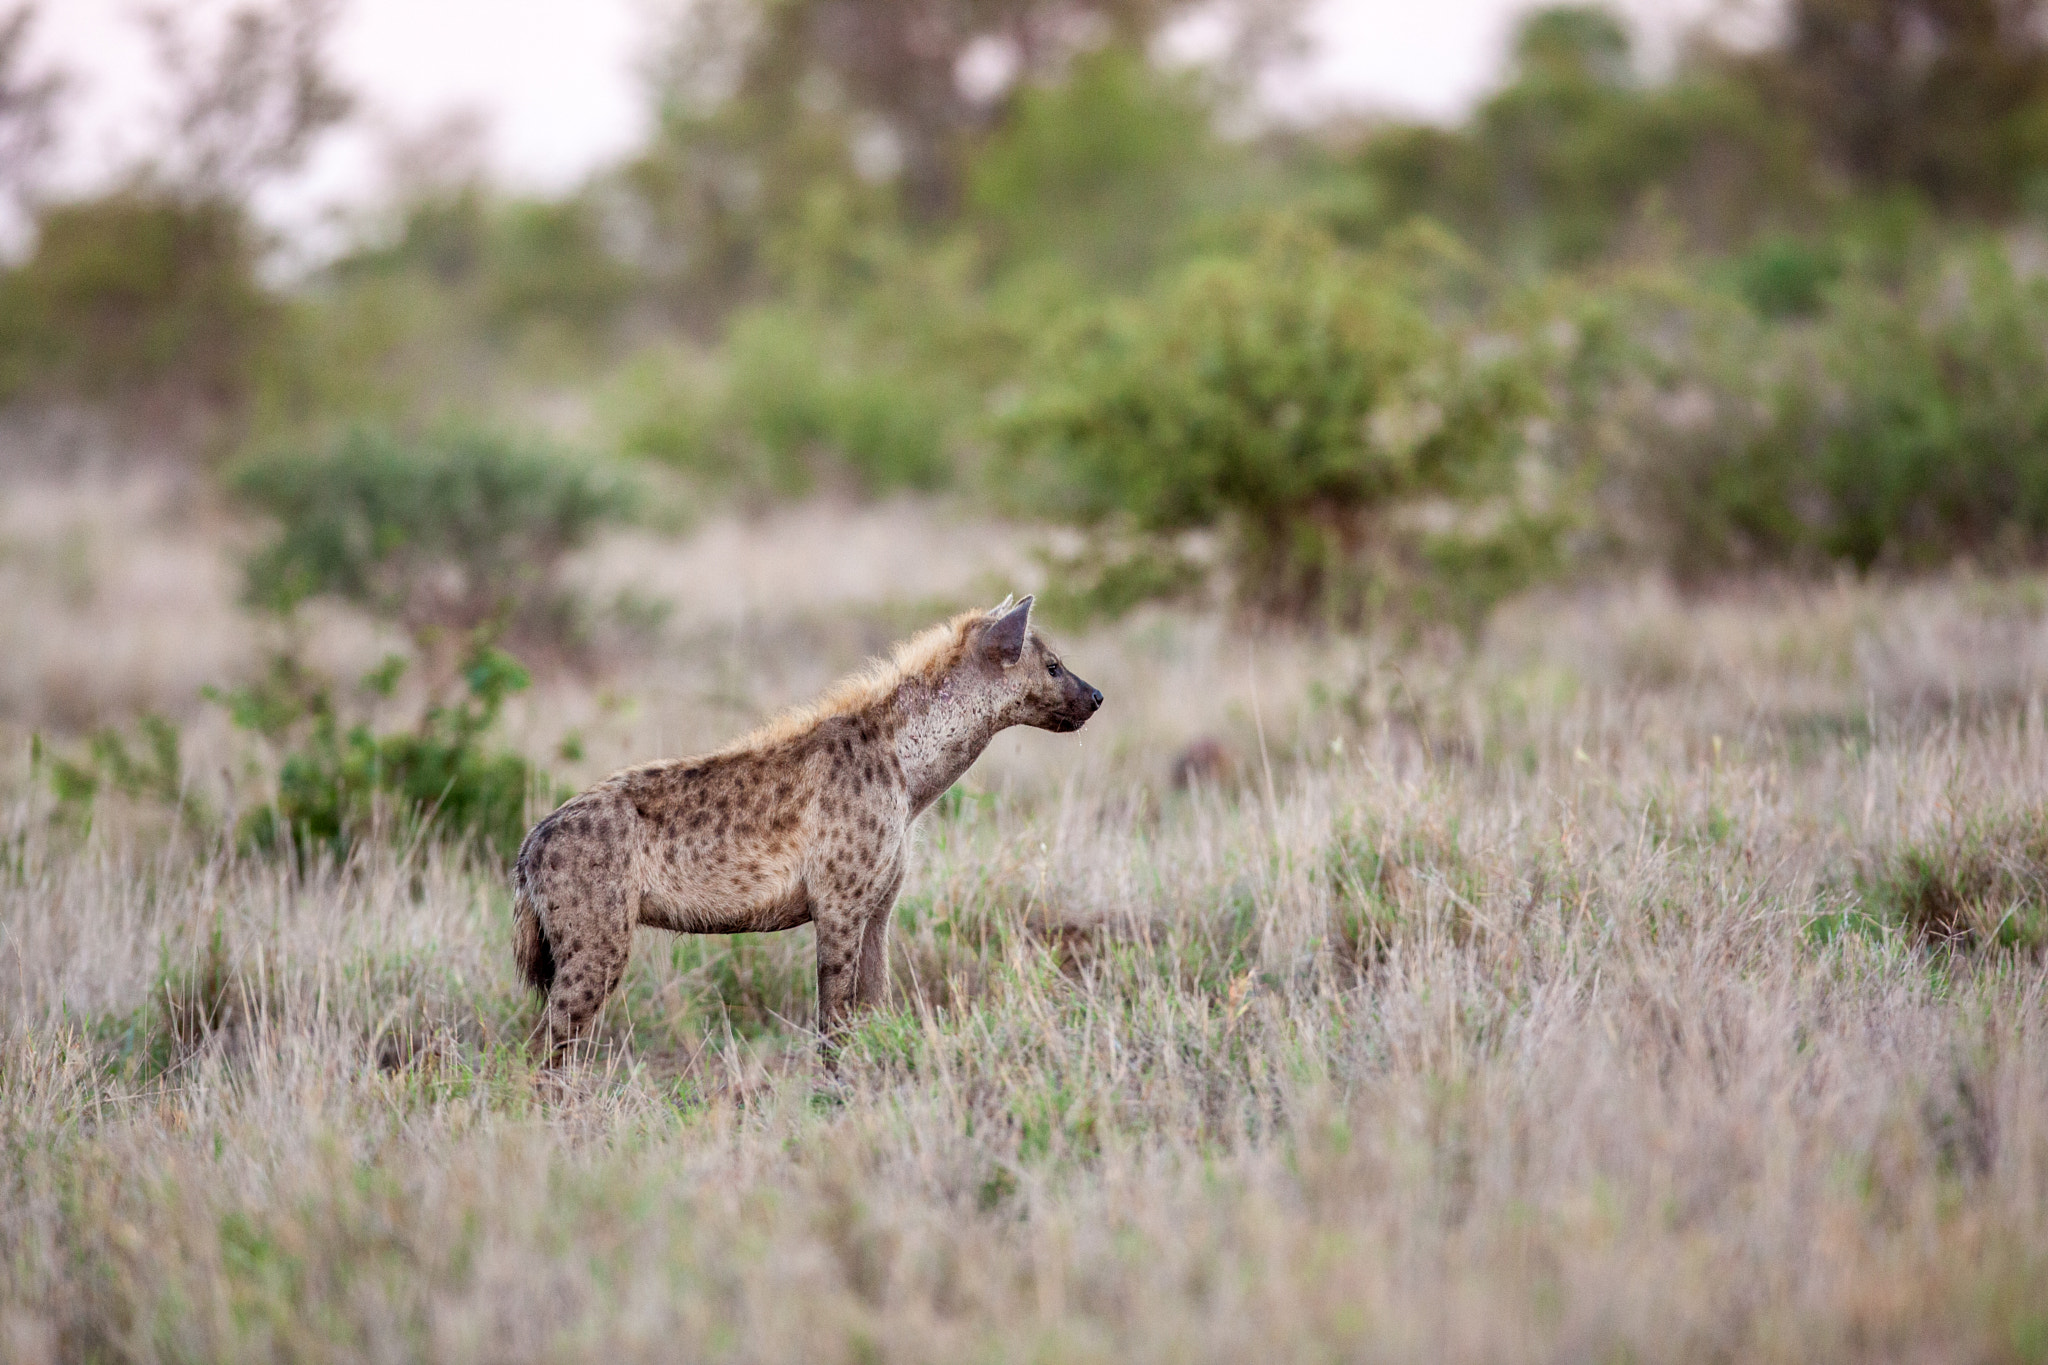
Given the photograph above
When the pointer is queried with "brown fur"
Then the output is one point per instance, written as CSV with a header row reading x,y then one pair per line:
x,y
806,820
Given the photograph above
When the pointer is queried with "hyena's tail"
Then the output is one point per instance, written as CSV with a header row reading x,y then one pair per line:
x,y
530,947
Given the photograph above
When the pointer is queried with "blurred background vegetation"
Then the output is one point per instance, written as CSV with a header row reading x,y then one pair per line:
x,y
1779,309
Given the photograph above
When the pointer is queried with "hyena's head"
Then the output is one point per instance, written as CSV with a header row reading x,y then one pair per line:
x,y
1032,686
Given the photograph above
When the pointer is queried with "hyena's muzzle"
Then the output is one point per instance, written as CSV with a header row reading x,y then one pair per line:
x,y
1079,700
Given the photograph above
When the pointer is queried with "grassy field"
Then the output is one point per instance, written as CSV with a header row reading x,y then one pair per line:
x,y
1655,978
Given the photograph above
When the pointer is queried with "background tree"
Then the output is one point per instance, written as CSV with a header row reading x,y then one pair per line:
x,y
1576,150
773,117
28,109
148,296
249,109
1945,97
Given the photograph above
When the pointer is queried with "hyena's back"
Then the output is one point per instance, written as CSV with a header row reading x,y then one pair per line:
x,y
721,844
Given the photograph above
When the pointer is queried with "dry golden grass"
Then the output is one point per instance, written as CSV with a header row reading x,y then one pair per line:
x,y
1655,980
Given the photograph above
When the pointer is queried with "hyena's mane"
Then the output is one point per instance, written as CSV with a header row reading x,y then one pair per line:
x,y
925,657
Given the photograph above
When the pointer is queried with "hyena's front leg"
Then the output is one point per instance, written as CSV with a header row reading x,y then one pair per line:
x,y
839,923
871,983
852,937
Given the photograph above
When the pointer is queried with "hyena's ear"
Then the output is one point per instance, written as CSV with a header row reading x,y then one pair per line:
x,y
1004,634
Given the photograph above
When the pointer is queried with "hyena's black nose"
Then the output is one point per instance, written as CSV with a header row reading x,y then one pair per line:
x,y
1095,696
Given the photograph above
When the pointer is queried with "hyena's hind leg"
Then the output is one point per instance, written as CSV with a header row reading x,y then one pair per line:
x,y
585,977
587,908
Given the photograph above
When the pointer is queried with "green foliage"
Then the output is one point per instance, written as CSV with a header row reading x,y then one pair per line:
x,y
337,785
777,120
1934,440
788,396
797,404
1948,98
549,260
1302,398
511,263
1664,400
1574,156
151,771
446,532
466,299
1783,276
1907,426
1101,170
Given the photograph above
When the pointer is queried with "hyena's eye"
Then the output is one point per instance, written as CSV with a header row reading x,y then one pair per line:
x,y
1052,666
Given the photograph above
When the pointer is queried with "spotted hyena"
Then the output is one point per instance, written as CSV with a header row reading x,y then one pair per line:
x,y
805,821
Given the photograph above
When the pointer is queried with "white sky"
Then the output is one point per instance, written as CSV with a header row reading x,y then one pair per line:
x,y
554,79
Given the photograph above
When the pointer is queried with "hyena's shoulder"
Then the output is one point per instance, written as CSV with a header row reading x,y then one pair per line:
x,y
852,750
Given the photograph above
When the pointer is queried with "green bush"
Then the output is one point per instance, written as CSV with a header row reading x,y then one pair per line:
x,y
1932,438
1784,276
1905,427
336,785
1355,449
1102,169
1104,583
548,260
1664,400
448,532
152,772
796,402
508,263
1576,159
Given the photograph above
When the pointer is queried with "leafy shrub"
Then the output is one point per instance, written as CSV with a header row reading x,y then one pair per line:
x,y
1787,277
338,785
1933,439
794,403
1906,427
1575,156
505,263
548,260
1355,450
154,771
1101,169
444,533
1663,402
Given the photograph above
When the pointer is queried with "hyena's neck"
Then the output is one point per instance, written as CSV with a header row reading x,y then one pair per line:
x,y
938,732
